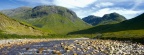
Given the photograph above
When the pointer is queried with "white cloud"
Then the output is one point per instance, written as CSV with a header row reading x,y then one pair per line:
x,y
74,3
93,7
125,12
137,3
83,13
104,4
115,1
64,3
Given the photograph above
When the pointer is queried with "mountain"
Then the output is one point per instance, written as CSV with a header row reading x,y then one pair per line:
x,y
17,11
111,18
53,19
93,20
132,28
10,26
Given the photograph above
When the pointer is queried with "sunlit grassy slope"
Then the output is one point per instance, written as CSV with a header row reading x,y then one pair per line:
x,y
10,26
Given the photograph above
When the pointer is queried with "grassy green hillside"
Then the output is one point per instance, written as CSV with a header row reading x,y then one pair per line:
x,y
129,29
58,24
54,19
10,26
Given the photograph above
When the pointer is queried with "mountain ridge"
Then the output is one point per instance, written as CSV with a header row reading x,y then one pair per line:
x,y
111,18
132,28
51,18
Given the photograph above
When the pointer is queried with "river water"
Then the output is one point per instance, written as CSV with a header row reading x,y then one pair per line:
x,y
47,48
75,47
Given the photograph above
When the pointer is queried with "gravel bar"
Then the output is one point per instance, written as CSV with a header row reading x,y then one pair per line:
x,y
69,47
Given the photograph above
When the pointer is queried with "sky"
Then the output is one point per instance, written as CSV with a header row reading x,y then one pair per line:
x,y
83,8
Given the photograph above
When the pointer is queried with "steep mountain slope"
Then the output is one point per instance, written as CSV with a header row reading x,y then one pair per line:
x,y
111,18
93,20
10,26
132,28
50,18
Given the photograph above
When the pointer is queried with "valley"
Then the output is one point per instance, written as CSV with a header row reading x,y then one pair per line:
x,y
72,47
56,30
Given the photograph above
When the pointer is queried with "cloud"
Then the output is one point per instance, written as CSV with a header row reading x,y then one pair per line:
x,y
104,4
83,12
74,3
115,1
137,3
64,3
125,12
83,8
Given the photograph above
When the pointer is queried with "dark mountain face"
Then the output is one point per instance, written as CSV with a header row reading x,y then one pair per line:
x,y
133,27
40,11
93,20
114,16
106,19
49,18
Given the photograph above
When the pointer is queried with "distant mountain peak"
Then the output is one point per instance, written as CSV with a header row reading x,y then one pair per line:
x,y
23,7
46,10
93,16
131,29
106,19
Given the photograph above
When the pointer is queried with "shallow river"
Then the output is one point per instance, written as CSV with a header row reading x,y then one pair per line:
x,y
75,47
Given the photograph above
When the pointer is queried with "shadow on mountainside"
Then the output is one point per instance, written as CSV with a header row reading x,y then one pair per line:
x,y
132,24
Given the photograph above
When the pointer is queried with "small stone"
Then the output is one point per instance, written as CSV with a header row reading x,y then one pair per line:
x,y
75,54
112,48
69,48
72,45
61,43
88,47
78,43
56,52
40,50
75,40
48,49
59,54
78,48
27,48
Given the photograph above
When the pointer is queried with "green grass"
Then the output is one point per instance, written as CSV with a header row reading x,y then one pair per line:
x,y
14,36
51,19
58,24
12,26
132,29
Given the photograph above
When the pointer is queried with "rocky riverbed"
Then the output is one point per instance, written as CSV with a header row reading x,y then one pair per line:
x,y
72,47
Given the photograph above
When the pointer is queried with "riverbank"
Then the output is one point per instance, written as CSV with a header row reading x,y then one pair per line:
x,y
11,42
71,46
